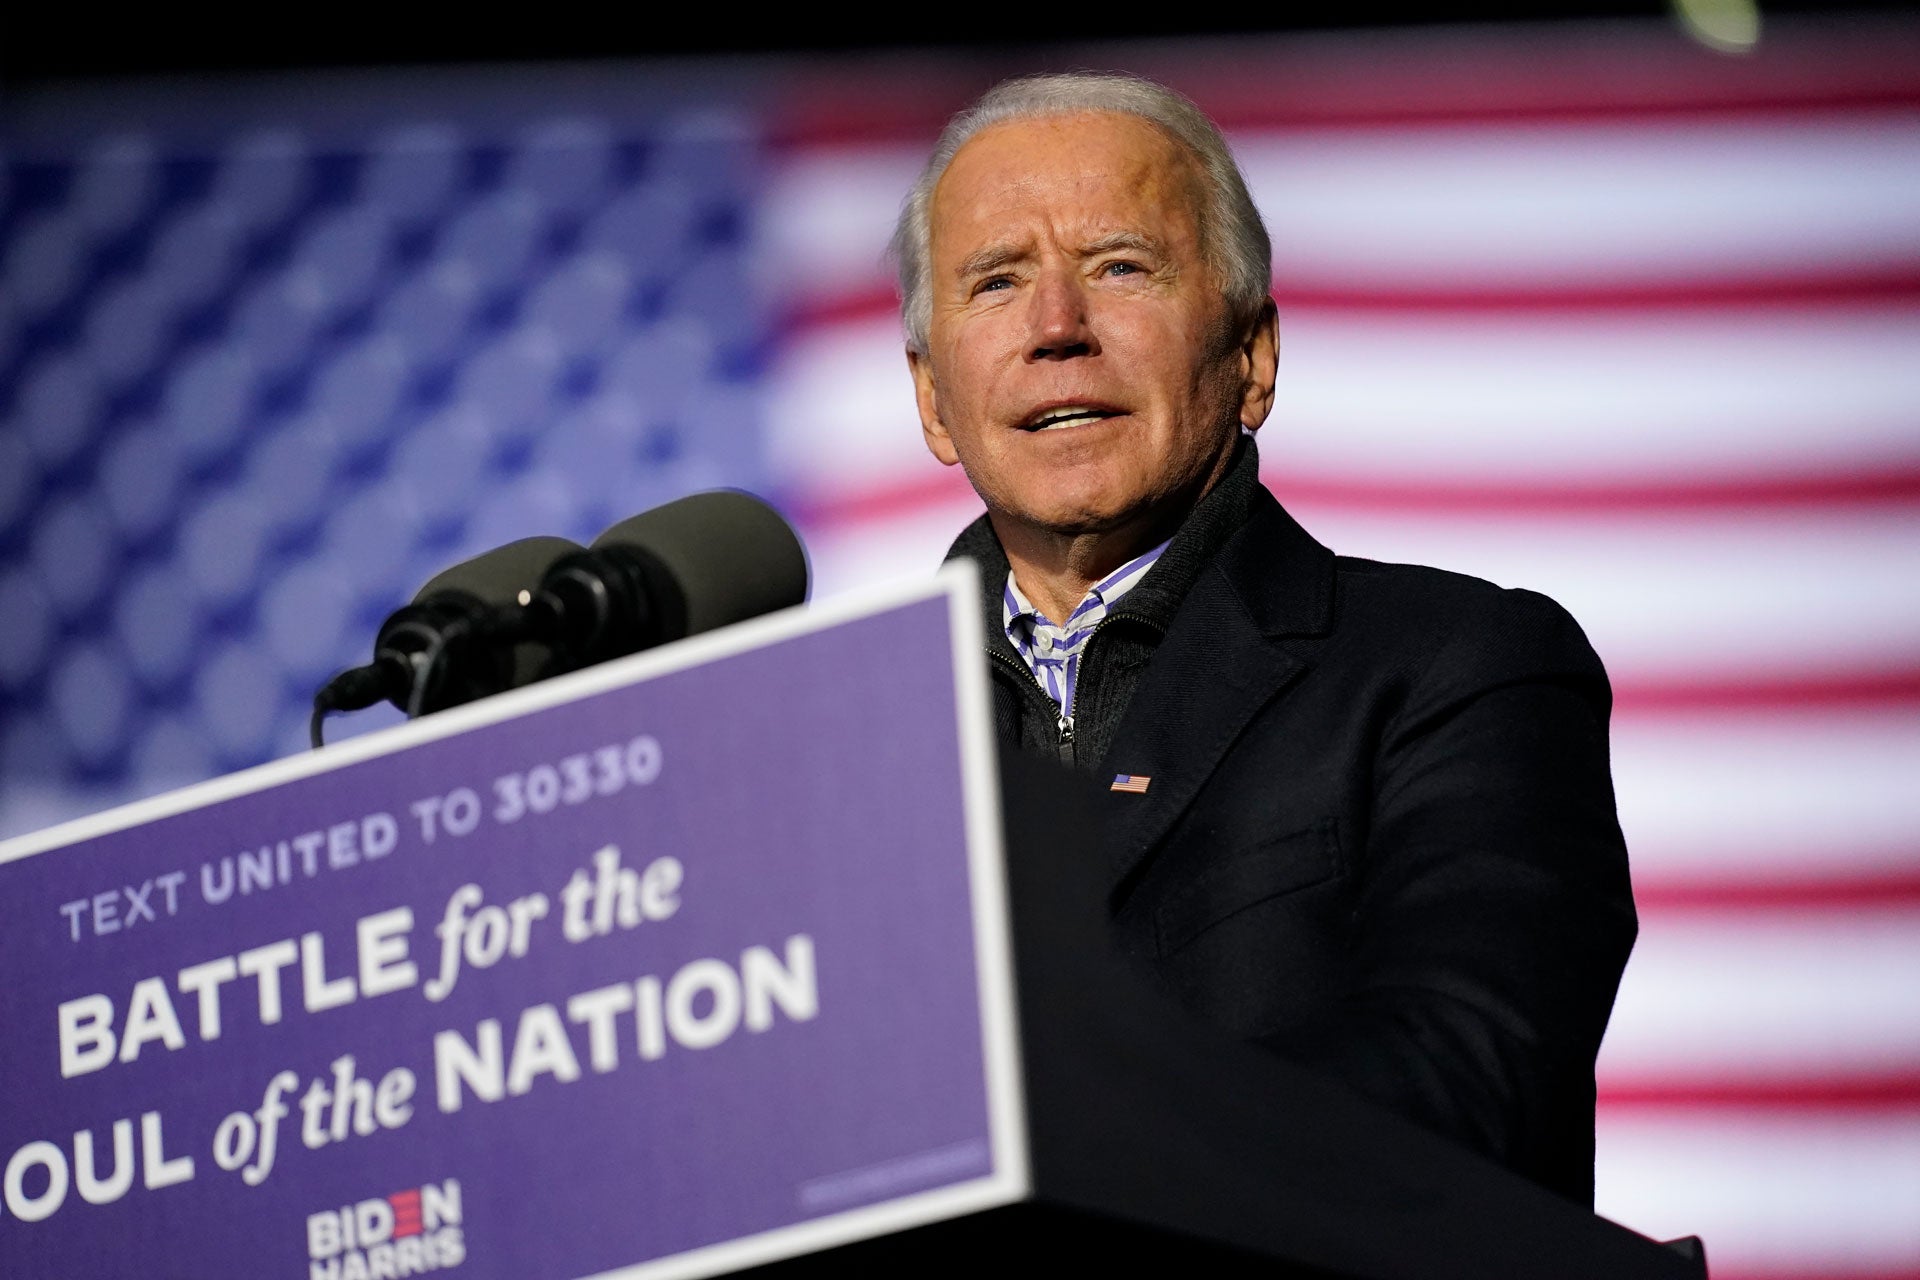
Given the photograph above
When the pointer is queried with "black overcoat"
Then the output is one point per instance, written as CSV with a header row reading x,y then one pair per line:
x,y
1379,835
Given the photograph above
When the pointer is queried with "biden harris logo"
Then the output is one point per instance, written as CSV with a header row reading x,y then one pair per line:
x,y
409,1233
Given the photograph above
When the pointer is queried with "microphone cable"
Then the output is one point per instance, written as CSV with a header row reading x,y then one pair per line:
x,y
463,604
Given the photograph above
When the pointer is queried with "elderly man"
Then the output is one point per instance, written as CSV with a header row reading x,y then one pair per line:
x,y
1360,812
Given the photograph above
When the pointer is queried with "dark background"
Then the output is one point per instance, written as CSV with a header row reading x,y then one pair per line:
x,y
46,45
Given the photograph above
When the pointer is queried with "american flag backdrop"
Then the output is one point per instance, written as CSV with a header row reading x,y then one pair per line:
x,y
1587,309
1629,323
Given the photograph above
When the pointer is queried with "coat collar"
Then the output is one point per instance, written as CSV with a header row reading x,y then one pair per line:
x,y
1239,596
978,543
1245,631
1157,596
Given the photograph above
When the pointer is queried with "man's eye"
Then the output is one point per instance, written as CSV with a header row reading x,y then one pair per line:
x,y
1121,268
992,284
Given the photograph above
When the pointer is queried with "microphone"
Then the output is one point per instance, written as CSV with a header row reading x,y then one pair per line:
x,y
543,606
451,617
690,566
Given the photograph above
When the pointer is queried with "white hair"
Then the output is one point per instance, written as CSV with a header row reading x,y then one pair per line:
x,y
1232,236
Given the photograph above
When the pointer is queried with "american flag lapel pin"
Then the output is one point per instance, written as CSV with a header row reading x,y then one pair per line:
x,y
1135,783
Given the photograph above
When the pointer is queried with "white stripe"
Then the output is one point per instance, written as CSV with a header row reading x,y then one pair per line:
x,y
1719,596
1716,595
1474,205
840,410
846,557
1758,797
1555,399
1490,205
1783,1194
1571,398
827,215
1768,997
1548,400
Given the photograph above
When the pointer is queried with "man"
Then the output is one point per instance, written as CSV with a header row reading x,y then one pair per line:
x,y
1360,813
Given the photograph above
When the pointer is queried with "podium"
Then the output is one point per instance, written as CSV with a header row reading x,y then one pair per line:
x,y
742,955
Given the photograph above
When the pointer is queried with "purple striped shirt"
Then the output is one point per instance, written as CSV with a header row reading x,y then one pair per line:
x,y
1052,652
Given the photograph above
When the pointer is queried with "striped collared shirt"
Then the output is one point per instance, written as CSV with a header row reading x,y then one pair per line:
x,y
1052,652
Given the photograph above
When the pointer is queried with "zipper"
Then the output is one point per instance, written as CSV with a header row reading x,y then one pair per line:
x,y
1063,726
1021,671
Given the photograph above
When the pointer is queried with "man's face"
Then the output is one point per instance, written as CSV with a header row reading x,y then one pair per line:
x,y
1082,365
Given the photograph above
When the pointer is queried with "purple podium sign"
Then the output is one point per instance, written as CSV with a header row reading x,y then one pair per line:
x,y
667,968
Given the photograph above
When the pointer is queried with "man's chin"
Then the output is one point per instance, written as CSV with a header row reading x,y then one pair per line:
x,y
1076,519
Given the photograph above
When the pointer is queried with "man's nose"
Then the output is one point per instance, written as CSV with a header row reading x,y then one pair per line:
x,y
1058,316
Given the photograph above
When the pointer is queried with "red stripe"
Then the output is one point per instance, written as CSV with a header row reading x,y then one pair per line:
x,y
1778,693
1898,283
1760,693
1894,888
1400,81
1838,1271
909,119
929,488
1893,484
1758,106
1890,1091
843,308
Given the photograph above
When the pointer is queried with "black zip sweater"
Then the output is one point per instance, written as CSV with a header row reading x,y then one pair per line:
x,y
1111,664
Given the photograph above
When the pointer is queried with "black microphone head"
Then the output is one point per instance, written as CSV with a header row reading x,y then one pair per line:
x,y
732,556
477,591
447,609
502,576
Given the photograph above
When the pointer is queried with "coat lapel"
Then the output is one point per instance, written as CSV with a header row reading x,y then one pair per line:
x,y
1221,661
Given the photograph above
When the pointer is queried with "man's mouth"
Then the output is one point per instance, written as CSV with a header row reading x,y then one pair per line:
x,y
1067,415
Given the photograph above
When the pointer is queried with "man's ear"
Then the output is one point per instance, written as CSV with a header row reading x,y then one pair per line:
x,y
1259,367
939,443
